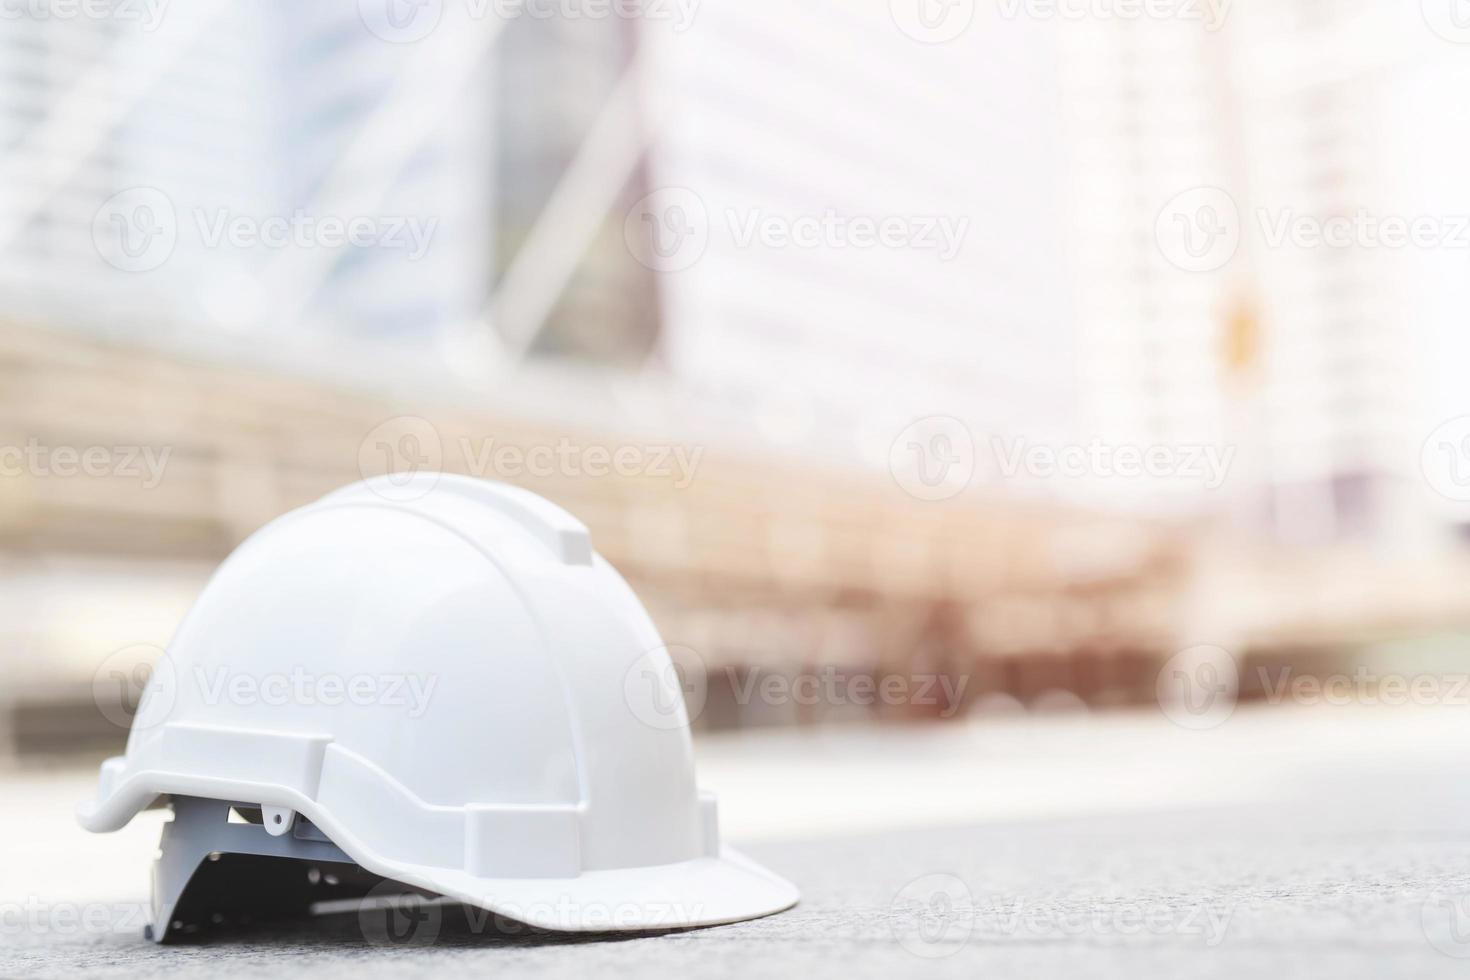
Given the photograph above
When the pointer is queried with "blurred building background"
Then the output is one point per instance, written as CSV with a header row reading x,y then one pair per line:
x,y
581,229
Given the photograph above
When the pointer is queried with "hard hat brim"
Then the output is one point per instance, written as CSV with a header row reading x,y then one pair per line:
x,y
704,891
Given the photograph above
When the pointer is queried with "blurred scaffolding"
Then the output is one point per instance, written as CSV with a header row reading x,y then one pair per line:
x,y
539,160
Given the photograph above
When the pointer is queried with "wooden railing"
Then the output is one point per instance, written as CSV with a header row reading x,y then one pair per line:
x,y
755,561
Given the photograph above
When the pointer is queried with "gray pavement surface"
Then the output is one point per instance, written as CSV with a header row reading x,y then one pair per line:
x,y
1349,856
1332,884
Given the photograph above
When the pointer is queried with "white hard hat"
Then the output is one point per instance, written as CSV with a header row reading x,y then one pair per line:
x,y
437,680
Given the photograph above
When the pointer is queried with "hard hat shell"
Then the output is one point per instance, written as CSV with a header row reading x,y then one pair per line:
x,y
444,678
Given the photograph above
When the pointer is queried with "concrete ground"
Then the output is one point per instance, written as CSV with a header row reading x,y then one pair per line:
x,y
1329,843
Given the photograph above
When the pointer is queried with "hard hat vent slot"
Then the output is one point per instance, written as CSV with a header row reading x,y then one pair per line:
x,y
241,892
217,871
